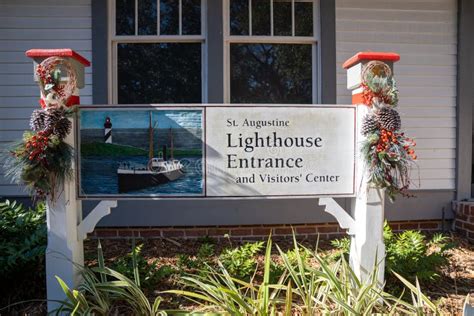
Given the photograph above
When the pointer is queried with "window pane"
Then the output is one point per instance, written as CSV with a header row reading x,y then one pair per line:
x,y
169,17
271,73
125,17
303,18
191,16
147,17
260,17
282,18
239,17
159,73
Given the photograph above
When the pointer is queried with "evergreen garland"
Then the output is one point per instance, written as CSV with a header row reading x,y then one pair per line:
x,y
388,153
42,160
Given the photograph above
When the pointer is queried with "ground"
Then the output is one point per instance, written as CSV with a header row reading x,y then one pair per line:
x,y
450,290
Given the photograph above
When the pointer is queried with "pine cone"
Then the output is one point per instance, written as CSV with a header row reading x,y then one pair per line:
x,y
62,128
389,119
37,120
54,115
369,124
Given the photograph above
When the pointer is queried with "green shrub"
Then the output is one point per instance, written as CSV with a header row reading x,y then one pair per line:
x,y
408,253
23,240
23,237
186,262
149,273
205,251
240,262
199,262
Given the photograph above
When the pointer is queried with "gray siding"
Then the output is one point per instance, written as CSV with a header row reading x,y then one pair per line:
x,y
26,24
424,33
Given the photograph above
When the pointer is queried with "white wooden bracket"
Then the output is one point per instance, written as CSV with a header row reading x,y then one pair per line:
x,y
88,224
343,218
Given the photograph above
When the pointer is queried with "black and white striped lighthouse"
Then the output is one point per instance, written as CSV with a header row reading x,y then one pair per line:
x,y
108,131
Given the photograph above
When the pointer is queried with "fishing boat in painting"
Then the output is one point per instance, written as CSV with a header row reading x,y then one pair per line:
x,y
158,170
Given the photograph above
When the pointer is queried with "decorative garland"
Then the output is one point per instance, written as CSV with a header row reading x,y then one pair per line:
x,y
53,91
43,160
388,153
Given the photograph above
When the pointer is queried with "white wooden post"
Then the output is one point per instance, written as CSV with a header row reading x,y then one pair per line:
x,y
66,227
64,253
367,208
365,222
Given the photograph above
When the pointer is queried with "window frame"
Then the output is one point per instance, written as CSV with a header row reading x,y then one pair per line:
x,y
314,41
113,40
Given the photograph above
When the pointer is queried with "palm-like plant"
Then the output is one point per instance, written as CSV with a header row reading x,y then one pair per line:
x,y
103,289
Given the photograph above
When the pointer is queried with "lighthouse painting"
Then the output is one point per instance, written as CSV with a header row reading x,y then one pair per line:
x,y
155,152
108,131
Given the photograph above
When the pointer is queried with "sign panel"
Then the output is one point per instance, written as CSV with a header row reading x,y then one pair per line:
x,y
216,151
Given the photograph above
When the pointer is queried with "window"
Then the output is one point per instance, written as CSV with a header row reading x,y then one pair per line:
x,y
157,51
271,51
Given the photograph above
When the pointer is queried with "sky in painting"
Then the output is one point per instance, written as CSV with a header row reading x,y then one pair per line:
x,y
93,119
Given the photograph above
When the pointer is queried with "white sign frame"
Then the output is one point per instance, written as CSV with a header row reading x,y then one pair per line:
x,y
204,107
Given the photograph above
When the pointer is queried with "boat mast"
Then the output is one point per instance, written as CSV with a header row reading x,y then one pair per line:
x,y
171,144
150,136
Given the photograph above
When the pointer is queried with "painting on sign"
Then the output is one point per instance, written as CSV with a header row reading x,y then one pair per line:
x,y
152,152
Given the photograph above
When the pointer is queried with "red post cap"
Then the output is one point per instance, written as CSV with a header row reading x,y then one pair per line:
x,y
62,52
360,56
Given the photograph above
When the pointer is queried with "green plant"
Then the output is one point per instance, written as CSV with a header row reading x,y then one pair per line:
x,y
328,288
105,291
408,253
217,290
22,238
186,262
342,247
200,261
302,278
277,269
149,272
206,250
240,262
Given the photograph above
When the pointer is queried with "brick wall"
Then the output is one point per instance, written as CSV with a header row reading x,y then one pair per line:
x,y
324,230
464,221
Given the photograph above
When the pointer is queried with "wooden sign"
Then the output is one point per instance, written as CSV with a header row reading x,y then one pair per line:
x,y
216,151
